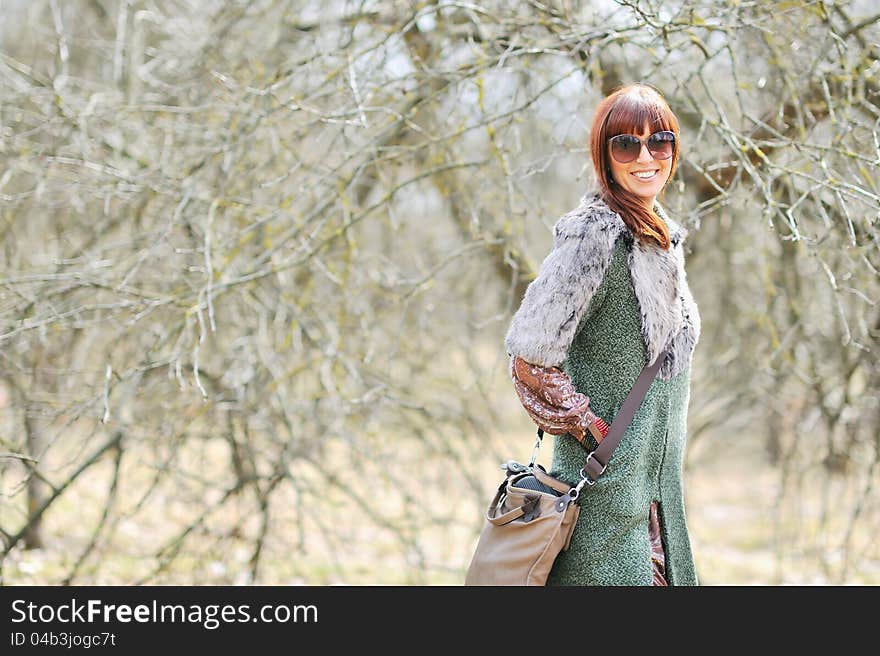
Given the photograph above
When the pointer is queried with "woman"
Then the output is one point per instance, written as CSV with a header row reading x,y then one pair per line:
x,y
610,298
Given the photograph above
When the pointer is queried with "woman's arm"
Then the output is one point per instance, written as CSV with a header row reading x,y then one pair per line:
x,y
566,290
550,399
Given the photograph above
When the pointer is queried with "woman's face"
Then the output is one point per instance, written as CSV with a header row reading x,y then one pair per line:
x,y
633,176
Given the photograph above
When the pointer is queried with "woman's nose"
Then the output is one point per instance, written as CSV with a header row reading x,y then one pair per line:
x,y
645,154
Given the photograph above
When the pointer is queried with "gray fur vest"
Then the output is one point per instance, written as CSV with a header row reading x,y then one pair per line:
x,y
545,325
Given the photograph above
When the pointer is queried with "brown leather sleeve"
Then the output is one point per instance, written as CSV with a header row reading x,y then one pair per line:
x,y
549,397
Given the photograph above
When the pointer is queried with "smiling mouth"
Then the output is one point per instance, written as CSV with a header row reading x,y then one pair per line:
x,y
645,177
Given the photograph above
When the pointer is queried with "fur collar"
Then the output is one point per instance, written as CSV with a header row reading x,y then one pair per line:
x,y
546,322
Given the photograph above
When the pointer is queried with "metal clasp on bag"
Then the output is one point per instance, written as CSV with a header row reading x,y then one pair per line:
x,y
585,477
536,448
575,492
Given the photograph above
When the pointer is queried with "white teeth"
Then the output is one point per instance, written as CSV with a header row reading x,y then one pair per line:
x,y
645,174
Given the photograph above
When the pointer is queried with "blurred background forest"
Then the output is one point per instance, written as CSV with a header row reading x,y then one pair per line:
x,y
258,259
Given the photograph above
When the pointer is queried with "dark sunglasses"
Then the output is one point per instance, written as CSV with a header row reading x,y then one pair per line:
x,y
626,147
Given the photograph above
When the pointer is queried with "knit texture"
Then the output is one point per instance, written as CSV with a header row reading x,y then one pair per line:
x,y
620,320
610,544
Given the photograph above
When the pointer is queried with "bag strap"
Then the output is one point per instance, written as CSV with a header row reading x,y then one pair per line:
x,y
597,460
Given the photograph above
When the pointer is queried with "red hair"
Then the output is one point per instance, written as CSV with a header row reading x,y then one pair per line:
x,y
629,110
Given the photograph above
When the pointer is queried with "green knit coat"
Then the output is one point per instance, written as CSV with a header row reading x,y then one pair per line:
x,y
603,304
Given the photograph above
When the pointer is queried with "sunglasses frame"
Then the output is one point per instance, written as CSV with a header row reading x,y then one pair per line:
x,y
643,142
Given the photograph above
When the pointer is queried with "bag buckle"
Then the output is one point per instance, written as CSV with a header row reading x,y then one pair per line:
x,y
590,477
